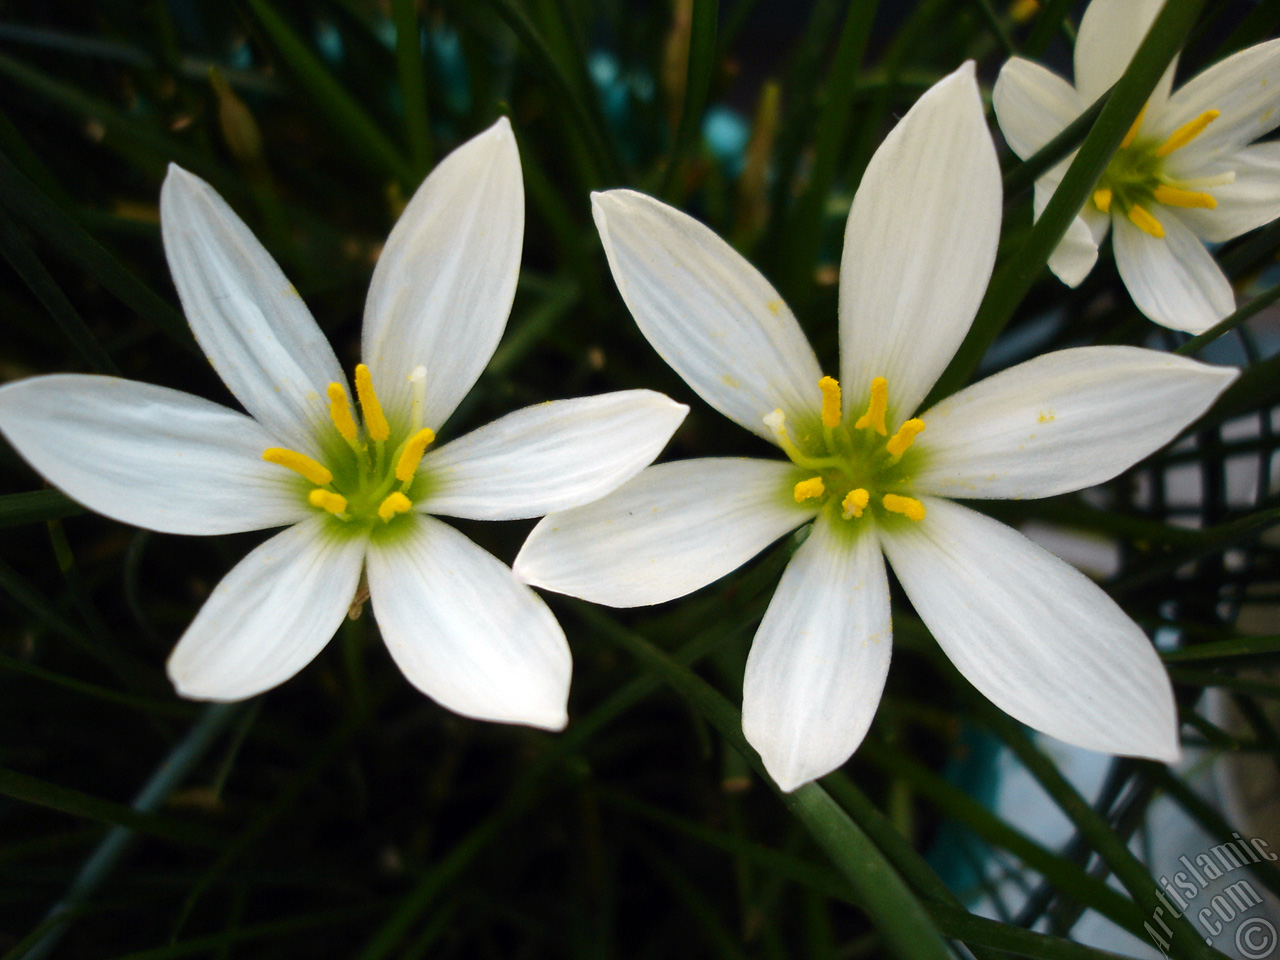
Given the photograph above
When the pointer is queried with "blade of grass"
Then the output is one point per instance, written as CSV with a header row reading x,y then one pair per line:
x,y
697,86
1014,278
348,119
1229,323
1224,649
36,507
413,85
1023,175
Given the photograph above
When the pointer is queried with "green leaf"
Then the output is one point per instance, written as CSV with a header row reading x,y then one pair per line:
x,y
1224,649
1229,323
36,507
697,86
413,85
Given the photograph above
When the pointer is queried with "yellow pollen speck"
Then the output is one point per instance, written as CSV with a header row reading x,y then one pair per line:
x,y
395,503
830,388
1045,416
1144,221
854,503
1175,197
876,409
317,473
340,412
905,436
909,507
774,306
1187,132
1102,199
1133,130
414,448
730,381
335,503
809,489
375,420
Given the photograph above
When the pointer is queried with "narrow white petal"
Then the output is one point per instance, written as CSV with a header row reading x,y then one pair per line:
x,y
270,615
674,528
1033,634
1173,279
1033,105
552,456
818,662
1077,251
1110,33
465,632
150,456
247,317
444,283
708,312
1252,200
1062,421
1245,87
919,246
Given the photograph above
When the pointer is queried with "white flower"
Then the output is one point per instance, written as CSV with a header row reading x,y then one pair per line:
x,y
1188,170
357,496
1033,634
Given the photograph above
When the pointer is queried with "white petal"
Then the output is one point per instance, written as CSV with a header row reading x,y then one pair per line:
x,y
1062,421
270,615
444,283
150,456
1249,202
1110,33
1033,105
1077,251
674,528
551,456
1033,634
1245,87
708,312
247,317
1173,279
819,660
465,631
919,246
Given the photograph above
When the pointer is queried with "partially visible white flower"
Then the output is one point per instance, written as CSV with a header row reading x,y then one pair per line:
x,y
356,489
1032,633
1188,170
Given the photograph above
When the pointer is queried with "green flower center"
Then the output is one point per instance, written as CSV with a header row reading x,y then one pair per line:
x,y
855,469
1136,179
370,477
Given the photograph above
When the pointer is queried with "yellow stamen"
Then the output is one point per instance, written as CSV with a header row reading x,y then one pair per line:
x,y
317,473
905,436
854,503
395,503
414,448
1102,199
879,405
375,420
1133,130
909,507
1187,132
335,503
1176,197
830,388
809,489
1144,221
340,412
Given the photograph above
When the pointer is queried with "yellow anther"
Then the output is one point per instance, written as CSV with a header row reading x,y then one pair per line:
x,y
855,501
1176,197
830,388
809,489
1102,199
412,453
909,507
395,503
1187,132
340,412
905,436
1133,130
375,420
878,407
317,473
335,503
1144,221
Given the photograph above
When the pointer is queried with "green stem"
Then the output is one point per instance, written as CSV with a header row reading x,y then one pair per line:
x,y
1229,323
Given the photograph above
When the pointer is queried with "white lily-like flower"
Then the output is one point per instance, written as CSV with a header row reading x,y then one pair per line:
x,y
356,491
1187,171
1034,635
